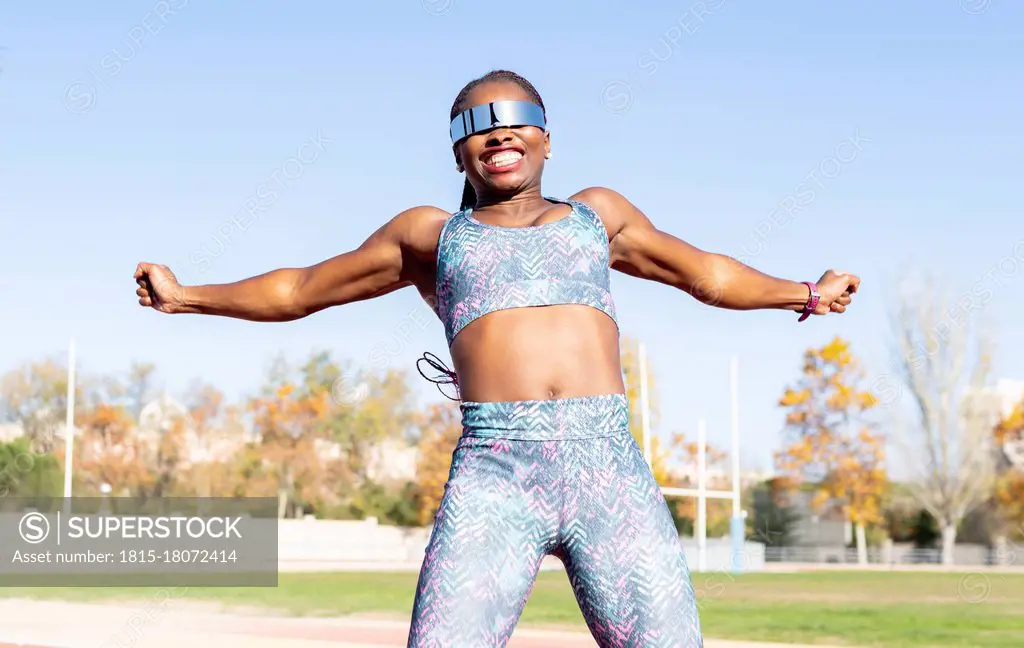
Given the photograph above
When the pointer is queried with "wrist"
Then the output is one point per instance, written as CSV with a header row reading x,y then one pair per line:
x,y
794,296
812,296
188,301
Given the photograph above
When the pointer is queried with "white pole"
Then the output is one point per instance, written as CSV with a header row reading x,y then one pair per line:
x,y
702,500
69,425
645,410
737,530
734,375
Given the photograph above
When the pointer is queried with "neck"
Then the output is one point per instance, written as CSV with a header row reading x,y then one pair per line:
x,y
512,206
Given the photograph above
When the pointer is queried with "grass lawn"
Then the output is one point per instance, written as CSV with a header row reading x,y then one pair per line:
x,y
856,609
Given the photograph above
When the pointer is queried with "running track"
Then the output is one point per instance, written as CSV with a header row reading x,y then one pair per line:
x,y
164,624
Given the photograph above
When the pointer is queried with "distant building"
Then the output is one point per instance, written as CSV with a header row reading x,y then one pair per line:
x,y
827,528
10,431
1011,394
393,460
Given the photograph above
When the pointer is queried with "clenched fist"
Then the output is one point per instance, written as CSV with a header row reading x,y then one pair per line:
x,y
836,290
159,288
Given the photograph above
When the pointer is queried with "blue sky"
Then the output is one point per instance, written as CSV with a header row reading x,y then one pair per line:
x,y
138,130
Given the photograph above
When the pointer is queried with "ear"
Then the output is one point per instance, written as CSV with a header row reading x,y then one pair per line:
x,y
458,160
547,144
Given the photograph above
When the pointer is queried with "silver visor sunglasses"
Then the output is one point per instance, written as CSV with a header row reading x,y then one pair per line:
x,y
497,114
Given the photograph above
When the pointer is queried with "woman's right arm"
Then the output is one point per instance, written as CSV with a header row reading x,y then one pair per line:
x,y
388,260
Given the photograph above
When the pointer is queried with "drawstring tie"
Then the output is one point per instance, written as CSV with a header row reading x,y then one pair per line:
x,y
445,375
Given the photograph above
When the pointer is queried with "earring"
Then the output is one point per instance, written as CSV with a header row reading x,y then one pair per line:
x,y
548,156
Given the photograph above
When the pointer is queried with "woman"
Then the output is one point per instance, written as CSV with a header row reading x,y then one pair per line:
x,y
546,464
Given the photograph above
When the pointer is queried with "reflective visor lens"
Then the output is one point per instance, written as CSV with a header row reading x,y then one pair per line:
x,y
499,114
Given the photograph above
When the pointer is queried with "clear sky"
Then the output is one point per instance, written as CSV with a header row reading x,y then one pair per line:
x,y
868,137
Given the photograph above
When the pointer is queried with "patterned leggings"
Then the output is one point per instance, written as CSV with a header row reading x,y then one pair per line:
x,y
564,478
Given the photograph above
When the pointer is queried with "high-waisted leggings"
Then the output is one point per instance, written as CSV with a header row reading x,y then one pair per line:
x,y
565,478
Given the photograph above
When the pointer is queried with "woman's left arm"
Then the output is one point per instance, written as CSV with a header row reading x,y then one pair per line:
x,y
640,249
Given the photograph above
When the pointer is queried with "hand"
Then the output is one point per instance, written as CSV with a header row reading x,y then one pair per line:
x,y
159,288
836,290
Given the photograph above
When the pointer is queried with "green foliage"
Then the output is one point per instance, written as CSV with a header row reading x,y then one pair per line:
x,y
925,532
901,521
23,473
397,506
770,519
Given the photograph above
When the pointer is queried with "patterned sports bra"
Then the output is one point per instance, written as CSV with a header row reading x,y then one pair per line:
x,y
485,268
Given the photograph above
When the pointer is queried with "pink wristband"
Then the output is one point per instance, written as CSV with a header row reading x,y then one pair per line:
x,y
812,301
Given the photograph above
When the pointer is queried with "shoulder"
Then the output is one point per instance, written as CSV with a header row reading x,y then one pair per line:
x,y
423,216
415,230
599,198
614,210
419,226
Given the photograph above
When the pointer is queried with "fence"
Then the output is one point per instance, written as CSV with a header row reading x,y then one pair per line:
x,y
319,545
310,544
324,545
963,554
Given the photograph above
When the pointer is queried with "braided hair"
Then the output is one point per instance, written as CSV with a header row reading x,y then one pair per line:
x,y
468,193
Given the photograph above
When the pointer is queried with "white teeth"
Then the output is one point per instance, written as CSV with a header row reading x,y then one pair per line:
x,y
505,158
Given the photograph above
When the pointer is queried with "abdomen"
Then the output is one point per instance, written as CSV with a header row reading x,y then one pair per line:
x,y
538,353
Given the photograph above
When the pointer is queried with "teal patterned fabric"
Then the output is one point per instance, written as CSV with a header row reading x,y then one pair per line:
x,y
564,478
484,268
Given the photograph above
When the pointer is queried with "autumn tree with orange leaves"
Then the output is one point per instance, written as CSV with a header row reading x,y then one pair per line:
x,y
1009,489
833,447
291,460
108,451
320,426
440,429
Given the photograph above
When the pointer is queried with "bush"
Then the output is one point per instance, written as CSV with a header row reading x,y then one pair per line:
x,y
23,473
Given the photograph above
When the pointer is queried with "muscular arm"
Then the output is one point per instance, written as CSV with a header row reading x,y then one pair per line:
x,y
640,249
391,258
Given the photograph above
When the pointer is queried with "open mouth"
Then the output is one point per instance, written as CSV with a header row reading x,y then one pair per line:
x,y
502,159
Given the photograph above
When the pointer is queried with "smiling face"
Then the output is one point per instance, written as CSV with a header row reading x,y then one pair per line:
x,y
504,161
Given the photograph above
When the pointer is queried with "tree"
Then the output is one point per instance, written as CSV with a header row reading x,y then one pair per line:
x,y
900,510
163,430
216,440
140,386
1009,488
395,506
23,473
374,414
772,517
287,417
35,395
440,428
833,445
944,364
924,531
108,451
321,429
